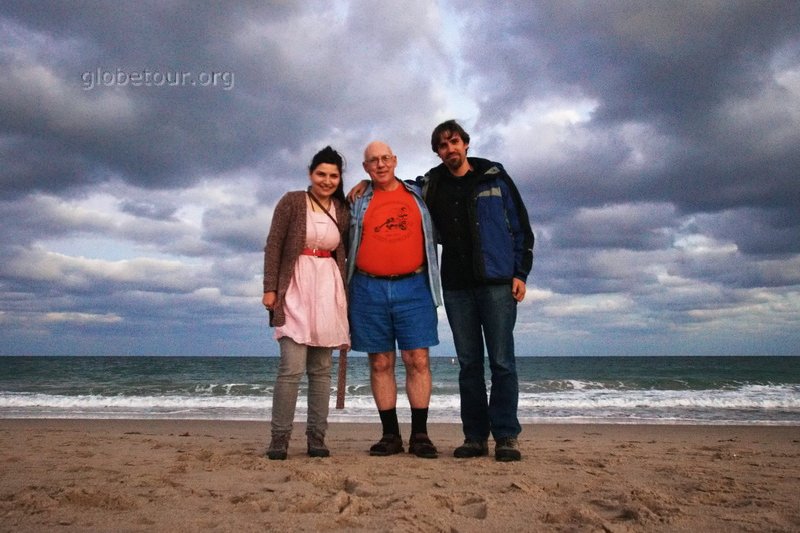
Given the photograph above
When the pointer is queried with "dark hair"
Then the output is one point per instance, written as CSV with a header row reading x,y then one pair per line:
x,y
448,127
332,157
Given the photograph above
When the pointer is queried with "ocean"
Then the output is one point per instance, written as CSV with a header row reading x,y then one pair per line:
x,y
616,390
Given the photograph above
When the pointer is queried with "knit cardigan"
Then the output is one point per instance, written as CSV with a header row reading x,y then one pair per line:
x,y
285,242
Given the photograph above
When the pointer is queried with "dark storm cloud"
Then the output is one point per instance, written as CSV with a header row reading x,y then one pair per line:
x,y
68,87
639,227
699,75
758,231
25,169
31,218
86,112
148,210
654,144
672,61
235,228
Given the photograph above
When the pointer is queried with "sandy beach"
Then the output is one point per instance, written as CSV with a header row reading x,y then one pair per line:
x,y
174,475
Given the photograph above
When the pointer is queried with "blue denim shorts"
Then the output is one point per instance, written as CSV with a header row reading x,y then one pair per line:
x,y
384,312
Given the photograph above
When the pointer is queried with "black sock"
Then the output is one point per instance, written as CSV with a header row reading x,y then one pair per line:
x,y
389,422
419,420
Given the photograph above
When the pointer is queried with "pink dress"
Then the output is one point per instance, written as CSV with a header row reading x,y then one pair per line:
x,y
315,302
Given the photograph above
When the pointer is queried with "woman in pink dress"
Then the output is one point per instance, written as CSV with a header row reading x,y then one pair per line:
x,y
305,295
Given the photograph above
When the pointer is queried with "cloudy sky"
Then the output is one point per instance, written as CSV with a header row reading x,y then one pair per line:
x,y
143,146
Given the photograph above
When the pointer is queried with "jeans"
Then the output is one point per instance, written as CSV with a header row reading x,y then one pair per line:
x,y
487,312
297,359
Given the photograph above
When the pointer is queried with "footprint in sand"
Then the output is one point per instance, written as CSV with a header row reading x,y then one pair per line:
x,y
470,505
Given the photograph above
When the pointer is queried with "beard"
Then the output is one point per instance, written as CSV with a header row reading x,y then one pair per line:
x,y
454,161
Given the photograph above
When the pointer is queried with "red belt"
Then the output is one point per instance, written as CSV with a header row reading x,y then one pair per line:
x,y
316,253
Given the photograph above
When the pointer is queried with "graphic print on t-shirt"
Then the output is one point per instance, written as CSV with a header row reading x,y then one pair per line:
x,y
390,222
399,222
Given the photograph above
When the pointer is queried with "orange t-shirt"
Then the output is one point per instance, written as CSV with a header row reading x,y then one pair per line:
x,y
392,241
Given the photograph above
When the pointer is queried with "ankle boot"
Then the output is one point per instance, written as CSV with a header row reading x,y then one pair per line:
x,y
278,448
316,445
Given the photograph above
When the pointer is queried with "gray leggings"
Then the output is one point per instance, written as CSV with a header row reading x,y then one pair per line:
x,y
297,359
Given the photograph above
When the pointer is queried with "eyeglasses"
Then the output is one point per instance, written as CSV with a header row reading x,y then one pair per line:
x,y
385,159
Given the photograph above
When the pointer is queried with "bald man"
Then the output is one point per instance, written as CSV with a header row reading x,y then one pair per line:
x,y
393,278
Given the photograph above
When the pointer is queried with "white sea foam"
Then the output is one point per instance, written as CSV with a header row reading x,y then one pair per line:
x,y
748,404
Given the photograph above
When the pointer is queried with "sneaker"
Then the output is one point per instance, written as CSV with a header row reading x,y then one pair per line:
x,y
472,448
279,446
388,445
316,446
507,449
421,446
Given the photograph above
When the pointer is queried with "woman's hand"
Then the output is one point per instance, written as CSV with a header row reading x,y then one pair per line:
x,y
269,300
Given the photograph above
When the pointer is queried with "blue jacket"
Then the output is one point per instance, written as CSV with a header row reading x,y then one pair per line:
x,y
428,232
498,221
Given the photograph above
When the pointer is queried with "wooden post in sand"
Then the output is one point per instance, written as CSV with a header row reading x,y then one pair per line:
x,y
341,384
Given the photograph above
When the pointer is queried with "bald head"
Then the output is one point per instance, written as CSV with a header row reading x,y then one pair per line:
x,y
379,163
376,148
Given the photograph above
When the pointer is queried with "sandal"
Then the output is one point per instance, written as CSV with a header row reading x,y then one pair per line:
x,y
421,446
388,445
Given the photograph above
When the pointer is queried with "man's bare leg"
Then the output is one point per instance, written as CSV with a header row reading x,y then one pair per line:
x,y
384,390
418,388
418,377
382,379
